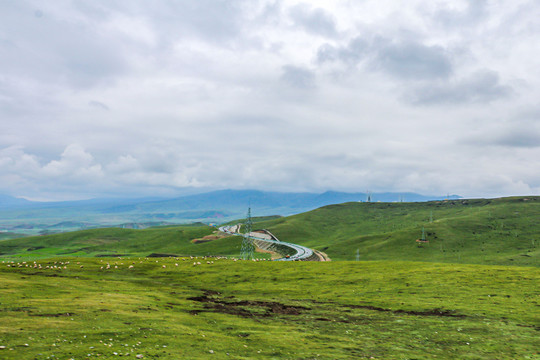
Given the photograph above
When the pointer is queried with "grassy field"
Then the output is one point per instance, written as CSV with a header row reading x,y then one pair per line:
x,y
495,231
472,292
175,240
273,310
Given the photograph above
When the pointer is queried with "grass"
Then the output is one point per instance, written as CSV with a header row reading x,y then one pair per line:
x,y
245,310
496,231
175,240
470,293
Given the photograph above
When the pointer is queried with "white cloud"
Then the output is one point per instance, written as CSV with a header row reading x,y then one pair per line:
x,y
100,97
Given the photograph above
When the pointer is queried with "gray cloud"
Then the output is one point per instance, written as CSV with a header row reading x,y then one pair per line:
x,y
412,60
353,53
98,104
480,87
474,11
402,59
519,138
316,21
298,77
519,132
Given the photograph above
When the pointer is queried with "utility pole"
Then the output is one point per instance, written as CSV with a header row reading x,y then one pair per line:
x,y
248,247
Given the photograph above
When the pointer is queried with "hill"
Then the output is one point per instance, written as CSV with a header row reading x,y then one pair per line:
x,y
7,201
174,240
78,295
211,207
482,231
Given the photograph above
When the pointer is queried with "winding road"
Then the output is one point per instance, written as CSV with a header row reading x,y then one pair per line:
x,y
265,240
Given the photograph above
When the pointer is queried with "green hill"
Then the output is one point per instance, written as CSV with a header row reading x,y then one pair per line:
x,y
481,231
60,299
485,231
175,240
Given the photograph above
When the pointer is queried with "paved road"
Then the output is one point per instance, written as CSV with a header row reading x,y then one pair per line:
x,y
265,240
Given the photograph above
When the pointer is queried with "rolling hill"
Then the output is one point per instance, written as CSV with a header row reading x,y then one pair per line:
x,y
481,231
96,293
211,207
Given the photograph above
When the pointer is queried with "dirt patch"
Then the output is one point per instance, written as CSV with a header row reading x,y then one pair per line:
x,y
215,236
52,315
245,308
111,255
322,255
433,312
35,248
158,255
18,309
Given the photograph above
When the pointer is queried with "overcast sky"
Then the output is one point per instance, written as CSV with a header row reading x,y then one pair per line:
x,y
102,98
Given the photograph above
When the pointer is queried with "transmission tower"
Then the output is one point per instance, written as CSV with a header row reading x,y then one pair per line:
x,y
248,247
357,254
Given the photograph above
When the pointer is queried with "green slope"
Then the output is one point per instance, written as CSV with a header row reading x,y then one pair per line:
x,y
484,231
171,309
109,241
495,231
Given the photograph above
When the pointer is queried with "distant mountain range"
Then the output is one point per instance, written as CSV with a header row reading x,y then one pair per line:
x,y
10,201
216,206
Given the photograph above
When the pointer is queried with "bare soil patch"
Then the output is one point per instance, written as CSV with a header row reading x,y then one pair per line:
x,y
432,312
245,308
215,236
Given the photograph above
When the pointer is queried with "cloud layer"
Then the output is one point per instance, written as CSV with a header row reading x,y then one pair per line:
x,y
100,98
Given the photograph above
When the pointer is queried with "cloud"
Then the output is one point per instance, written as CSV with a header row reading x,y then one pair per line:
x,y
298,77
471,14
520,132
353,53
276,95
412,60
480,87
519,138
316,21
98,104
407,60
74,161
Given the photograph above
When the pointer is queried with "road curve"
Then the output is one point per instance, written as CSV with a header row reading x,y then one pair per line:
x,y
265,240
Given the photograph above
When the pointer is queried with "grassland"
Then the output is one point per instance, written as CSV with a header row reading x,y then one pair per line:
x,y
274,310
472,292
176,240
494,231
485,231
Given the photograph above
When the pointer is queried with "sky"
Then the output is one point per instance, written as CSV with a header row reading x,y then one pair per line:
x,y
136,98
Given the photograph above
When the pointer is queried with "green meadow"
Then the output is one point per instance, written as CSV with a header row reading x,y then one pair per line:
x,y
274,310
471,292
484,231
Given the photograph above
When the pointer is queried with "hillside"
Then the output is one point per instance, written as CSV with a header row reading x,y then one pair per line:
x,y
485,231
175,240
33,218
94,294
